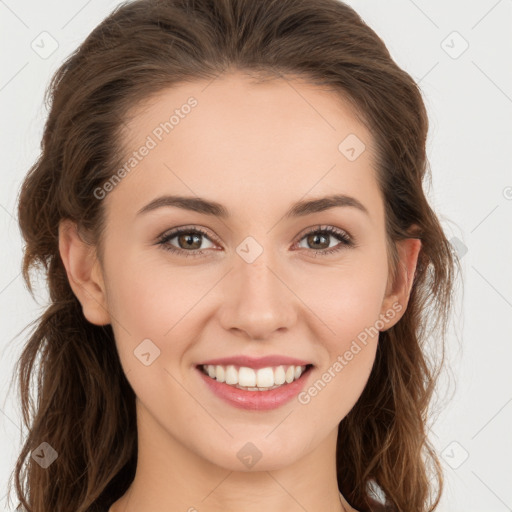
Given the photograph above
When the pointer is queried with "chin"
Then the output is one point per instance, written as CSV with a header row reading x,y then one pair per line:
x,y
256,453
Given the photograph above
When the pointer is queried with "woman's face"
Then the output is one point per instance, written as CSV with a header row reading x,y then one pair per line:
x,y
258,277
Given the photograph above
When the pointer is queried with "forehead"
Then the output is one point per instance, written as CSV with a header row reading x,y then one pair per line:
x,y
241,142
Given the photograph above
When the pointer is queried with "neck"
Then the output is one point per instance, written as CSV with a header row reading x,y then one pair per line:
x,y
171,477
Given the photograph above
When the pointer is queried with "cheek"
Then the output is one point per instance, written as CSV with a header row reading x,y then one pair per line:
x,y
149,300
347,301
347,298
150,303
151,297
348,307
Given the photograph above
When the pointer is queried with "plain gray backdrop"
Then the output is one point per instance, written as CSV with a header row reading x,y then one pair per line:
x,y
460,54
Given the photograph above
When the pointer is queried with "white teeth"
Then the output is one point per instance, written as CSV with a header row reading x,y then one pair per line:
x,y
265,377
279,376
231,375
220,374
246,377
262,379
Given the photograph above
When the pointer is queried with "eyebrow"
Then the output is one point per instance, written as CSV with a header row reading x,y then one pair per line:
x,y
208,207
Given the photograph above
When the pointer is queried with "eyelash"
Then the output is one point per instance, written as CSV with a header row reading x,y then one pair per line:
x,y
345,240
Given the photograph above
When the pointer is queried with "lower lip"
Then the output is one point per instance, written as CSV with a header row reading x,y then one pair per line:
x,y
256,400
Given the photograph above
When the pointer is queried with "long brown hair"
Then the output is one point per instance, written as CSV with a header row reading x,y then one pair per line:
x,y
85,407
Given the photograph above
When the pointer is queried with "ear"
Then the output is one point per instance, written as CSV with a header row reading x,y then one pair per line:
x,y
398,292
84,273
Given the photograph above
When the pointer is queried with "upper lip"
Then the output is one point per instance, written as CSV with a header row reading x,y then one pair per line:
x,y
256,362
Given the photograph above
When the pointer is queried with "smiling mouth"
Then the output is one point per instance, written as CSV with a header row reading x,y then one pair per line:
x,y
250,379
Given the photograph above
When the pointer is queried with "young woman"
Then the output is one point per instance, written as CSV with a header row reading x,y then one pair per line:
x,y
242,264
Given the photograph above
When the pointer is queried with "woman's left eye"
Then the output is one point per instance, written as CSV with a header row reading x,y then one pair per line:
x,y
325,232
189,240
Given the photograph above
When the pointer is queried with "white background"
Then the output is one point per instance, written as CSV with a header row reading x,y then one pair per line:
x,y
469,99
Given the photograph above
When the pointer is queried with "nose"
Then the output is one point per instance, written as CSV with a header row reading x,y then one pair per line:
x,y
258,300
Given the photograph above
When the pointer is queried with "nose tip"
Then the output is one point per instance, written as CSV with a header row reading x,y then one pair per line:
x,y
258,302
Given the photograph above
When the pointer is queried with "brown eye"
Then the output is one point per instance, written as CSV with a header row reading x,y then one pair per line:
x,y
316,239
319,240
188,241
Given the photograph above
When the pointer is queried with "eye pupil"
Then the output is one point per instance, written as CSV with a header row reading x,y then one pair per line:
x,y
313,238
187,237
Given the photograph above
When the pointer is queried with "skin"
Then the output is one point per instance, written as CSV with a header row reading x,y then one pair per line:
x,y
256,149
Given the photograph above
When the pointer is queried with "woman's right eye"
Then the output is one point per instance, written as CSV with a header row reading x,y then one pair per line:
x,y
188,237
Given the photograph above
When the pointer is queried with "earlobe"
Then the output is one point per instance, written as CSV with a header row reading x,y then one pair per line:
x,y
399,293
84,273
